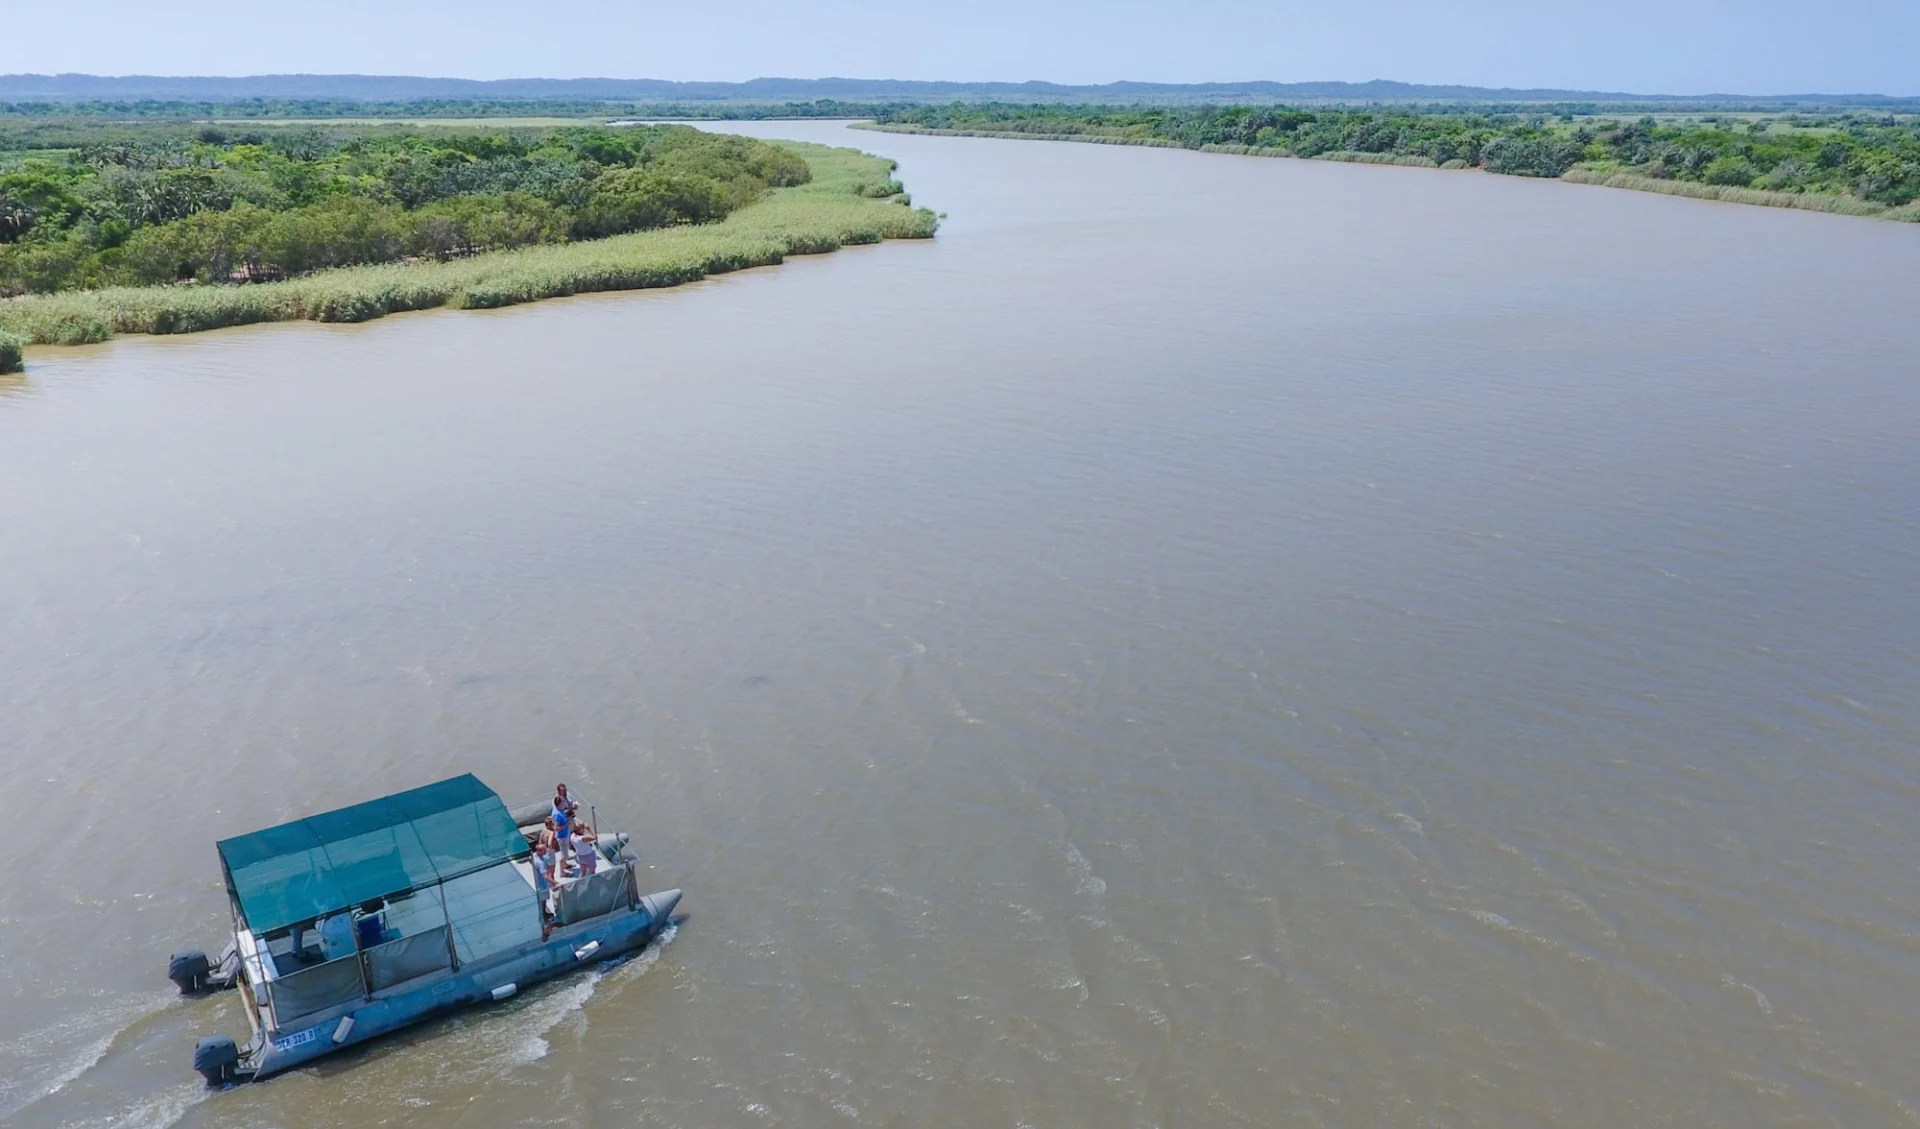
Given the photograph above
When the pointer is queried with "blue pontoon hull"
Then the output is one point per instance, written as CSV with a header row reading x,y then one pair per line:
x,y
565,951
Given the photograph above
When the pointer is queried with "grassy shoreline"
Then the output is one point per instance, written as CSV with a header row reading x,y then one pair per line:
x,y
848,201
1804,201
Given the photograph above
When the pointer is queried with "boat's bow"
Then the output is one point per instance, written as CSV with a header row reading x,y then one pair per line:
x,y
659,905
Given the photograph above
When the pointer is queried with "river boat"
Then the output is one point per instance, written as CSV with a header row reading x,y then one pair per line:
x,y
355,923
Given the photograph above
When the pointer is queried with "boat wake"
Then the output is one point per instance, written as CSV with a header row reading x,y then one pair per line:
x,y
485,1043
497,1042
158,1111
28,1087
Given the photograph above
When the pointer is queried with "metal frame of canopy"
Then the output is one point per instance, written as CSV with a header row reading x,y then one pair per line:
x,y
290,877
307,869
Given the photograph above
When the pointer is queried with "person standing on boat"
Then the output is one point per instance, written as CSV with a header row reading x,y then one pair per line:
x,y
586,848
543,874
563,840
565,811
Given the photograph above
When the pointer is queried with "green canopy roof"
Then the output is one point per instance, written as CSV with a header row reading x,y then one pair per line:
x,y
325,863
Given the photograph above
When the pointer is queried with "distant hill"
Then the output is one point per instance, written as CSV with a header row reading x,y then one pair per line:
x,y
403,88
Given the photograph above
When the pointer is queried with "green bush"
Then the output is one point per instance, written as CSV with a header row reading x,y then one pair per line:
x,y
1730,171
634,199
468,225
1530,156
40,265
11,345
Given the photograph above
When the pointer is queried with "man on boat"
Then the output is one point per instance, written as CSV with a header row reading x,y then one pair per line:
x,y
543,875
563,839
561,819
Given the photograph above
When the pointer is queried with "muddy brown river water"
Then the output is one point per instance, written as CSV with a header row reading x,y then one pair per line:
x,y
1207,641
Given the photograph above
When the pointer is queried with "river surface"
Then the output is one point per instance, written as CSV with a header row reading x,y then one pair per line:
x,y
1207,641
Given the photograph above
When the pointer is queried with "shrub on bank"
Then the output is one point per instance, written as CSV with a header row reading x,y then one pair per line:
x,y
11,345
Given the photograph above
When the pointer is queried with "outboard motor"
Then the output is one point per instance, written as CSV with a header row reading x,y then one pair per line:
x,y
217,1059
190,970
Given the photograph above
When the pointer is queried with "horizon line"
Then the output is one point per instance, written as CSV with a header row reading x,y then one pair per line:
x,y
55,77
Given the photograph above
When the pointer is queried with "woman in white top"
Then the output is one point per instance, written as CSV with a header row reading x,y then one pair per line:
x,y
586,848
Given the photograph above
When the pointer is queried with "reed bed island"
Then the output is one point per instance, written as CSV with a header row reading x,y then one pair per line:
x,y
555,215
1854,162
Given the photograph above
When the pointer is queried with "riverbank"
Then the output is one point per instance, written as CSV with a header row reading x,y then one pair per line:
x,y
1805,201
849,200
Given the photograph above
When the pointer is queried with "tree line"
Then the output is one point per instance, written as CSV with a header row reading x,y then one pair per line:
x,y
747,107
133,205
1870,154
266,109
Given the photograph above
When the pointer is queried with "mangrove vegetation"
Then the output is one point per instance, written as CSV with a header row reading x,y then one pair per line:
x,y
475,220
220,207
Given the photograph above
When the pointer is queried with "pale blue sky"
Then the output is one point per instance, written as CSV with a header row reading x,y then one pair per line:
x,y
1649,46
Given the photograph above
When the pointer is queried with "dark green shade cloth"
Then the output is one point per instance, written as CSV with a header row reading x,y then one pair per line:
x,y
325,863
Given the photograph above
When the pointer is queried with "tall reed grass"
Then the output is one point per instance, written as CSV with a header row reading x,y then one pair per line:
x,y
835,209
1158,143
1808,201
10,346
1347,156
1022,135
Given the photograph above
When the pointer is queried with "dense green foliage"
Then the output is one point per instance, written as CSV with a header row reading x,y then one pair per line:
x,y
1872,156
162,204
118,112
10,346
841,203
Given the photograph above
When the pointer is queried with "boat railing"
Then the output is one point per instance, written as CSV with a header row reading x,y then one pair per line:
x,y
534,813
596,895
316,988
355,977
407,958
